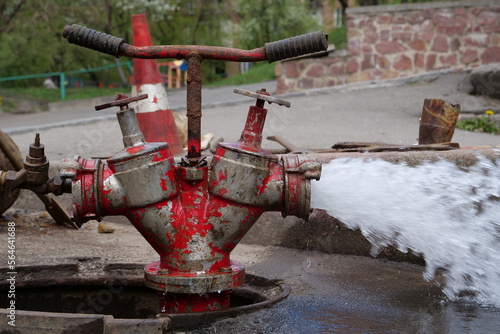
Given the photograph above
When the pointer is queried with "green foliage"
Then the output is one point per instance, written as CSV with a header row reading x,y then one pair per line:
x,y
257,73
481,124
265,21
32,42
54,95
398,2
176,22
338,37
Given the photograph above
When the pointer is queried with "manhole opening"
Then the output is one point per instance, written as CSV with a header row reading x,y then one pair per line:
x,y
124,302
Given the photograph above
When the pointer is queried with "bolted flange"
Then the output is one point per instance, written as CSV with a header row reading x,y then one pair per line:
x,y
179,282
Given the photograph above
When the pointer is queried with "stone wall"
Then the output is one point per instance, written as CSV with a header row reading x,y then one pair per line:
x,y
396,41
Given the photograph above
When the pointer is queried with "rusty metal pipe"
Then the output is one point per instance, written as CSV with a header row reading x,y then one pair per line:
x,y
183,52
115,46
461,157
3,176
193,106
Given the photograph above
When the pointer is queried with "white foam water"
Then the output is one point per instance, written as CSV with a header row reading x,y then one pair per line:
x,y
450,215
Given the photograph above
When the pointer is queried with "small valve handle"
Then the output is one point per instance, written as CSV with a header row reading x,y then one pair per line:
x,y
121,101
261,95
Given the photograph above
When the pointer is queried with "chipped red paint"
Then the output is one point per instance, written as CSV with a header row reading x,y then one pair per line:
x,y
222,176
105,201
196,226
163,185
215,249
135,149
171,175
190,214
182,51
252,133
182,303
162,155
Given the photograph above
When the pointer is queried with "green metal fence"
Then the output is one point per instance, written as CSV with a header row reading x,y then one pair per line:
x,y
62,75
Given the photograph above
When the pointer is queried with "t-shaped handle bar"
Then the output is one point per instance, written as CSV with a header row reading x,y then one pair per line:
x,y
115,46
194,55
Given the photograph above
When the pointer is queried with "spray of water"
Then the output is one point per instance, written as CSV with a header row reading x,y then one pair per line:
x,y
448,214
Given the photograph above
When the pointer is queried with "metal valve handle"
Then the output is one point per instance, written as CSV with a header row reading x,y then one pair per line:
x,y
93,39
296,46
121,101
274,51
259,96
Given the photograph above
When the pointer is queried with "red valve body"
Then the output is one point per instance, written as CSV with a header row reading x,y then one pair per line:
x,y
192,216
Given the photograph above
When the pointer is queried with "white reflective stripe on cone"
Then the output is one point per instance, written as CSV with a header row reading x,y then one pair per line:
x,y
157,98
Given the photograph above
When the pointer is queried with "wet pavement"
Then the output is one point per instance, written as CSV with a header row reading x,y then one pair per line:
x,y
330,293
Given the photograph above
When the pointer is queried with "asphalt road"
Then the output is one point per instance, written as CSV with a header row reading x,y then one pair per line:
x,y
386,111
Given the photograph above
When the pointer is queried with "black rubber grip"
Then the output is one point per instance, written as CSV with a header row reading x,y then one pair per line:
x,y
297,46
93,39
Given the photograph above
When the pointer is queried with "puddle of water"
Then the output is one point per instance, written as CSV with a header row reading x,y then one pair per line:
x,y
448,214
330,321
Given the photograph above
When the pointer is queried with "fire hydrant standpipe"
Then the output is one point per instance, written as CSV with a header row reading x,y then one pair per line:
x,y
193,214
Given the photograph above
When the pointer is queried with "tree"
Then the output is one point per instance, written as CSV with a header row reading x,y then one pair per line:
x,y
8,11
265,21
32,42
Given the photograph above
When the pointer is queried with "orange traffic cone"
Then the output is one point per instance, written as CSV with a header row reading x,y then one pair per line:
x,y
154,114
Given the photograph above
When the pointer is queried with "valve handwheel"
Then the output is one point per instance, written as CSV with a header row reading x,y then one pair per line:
x,y
121,101
262,95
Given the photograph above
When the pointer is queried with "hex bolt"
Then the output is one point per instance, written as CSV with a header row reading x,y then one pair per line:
x,y
36,152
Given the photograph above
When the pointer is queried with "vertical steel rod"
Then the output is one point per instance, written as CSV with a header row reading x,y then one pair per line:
x,y
194,107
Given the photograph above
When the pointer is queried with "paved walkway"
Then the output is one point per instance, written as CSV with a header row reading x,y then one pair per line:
x,y
387,111
82,111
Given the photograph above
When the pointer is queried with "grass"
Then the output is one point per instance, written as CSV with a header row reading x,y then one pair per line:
x,y
258,73
338,37
54,95
10,96
481,124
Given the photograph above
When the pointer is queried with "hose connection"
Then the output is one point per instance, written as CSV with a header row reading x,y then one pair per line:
x,y
299,171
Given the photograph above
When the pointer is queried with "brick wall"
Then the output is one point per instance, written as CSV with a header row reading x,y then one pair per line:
x,y
396,41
